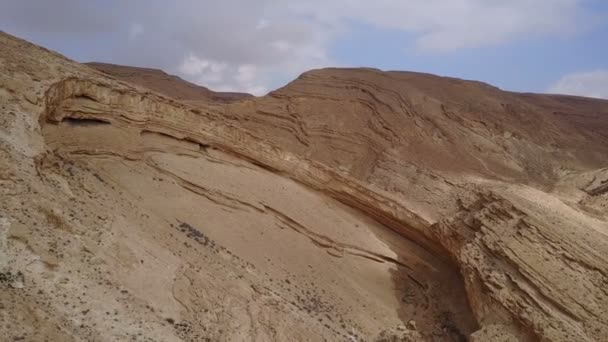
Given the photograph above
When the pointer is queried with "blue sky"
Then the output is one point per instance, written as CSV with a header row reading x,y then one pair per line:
x,y
525,65
256,46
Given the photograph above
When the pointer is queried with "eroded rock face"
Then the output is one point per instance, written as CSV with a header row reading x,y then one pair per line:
x,y
542,272
346,204
136,215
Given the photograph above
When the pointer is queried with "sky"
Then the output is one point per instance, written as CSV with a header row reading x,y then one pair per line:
x,y
255,46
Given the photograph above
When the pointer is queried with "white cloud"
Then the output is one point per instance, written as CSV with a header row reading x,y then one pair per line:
x,y
235,45
246,73
280,39
280,45
246,77
589,83
261,24
444,25
135,31
220,76
206,71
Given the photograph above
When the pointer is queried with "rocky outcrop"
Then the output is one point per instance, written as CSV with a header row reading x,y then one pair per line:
x,y
86,102
599,184
539,275
347,203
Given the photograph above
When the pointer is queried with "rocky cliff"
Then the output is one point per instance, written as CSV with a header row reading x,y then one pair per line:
x,y
352,204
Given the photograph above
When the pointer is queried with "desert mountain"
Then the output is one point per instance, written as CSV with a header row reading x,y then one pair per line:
x,y
351,204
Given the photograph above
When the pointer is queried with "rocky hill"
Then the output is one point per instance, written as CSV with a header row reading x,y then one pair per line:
x,y
352,204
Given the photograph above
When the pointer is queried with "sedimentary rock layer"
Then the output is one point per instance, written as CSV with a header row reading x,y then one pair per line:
x,y
350,204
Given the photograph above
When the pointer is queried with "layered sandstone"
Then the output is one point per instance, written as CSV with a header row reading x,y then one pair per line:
x,y
349,205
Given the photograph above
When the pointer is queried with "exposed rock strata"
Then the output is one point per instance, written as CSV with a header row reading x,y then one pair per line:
x,y
83,102
126,213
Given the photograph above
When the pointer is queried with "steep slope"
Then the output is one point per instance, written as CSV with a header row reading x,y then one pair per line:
x,y
348,205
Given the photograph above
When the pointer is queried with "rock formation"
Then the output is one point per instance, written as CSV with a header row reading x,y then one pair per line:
x,y
352,204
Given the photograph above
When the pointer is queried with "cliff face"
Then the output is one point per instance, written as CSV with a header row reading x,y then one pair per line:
x,y
350,204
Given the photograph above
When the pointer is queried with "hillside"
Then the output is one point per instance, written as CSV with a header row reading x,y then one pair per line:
x,y
352,204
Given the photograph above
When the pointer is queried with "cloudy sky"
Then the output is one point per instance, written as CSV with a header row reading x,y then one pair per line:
x,y
258,45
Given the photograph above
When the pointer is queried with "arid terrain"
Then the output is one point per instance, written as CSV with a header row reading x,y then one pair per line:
x,y
349,205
